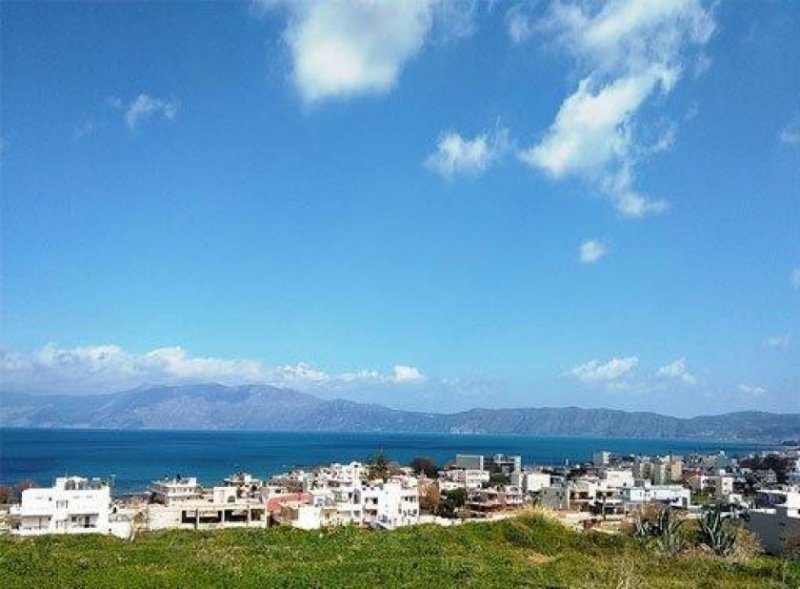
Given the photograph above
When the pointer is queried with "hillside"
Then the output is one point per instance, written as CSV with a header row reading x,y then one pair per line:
x,y
268,408
528,551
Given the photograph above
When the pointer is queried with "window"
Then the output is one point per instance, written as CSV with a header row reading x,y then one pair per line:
x,y
62,504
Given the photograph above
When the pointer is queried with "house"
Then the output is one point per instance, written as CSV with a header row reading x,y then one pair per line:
x,y
484,502
170,490
775,519
73,505
465,478
530,481
674,495
181,503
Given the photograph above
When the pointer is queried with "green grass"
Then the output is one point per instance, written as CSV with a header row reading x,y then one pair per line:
x,y
529,551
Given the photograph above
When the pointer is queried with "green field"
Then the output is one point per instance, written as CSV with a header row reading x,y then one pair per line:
x,y
528,551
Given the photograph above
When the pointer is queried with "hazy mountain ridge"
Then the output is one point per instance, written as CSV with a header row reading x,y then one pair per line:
x,y
259,407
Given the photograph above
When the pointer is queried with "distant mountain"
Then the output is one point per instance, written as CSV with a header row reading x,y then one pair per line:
x,y
256,407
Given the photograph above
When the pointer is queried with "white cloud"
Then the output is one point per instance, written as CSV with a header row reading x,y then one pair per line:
x,y
107,368
677,370
343,48
777,341
790,134
456,155
796,278
596,371
406,374
632,51
520,23
144,107
83,130
592,250
751,390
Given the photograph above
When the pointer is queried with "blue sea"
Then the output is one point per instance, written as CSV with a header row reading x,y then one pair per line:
x,y
135,457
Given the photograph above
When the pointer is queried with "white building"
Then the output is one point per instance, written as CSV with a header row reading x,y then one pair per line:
x,y
390,504
615,478
530,482
178,489
601,458
674,495
775,519
466,478
74,505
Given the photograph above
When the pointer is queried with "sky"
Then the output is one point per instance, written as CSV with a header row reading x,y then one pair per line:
x,y
425,204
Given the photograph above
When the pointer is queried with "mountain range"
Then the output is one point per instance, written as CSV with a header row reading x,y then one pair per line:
x,y
259,407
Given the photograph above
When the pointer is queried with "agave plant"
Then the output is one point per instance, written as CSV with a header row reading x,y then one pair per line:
x,y
663,530
714,534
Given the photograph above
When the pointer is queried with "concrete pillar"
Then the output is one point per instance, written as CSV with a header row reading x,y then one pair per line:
x,y
196,518
222,516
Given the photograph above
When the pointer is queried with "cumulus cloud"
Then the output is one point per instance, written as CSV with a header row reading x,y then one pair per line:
x,y
456,155
406,374
632,51
777,341
107,368
144,107
677,370
596,371
343,48
751,390
591,251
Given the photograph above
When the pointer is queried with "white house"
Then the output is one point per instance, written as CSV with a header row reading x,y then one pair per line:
x,y
390,504
74,505
674,495
466,478
616,478
775,519
175,490
530,482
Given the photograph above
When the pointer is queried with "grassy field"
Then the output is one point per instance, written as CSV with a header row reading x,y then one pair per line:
x,y
529,551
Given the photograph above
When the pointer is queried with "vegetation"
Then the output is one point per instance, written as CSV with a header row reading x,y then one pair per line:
x,y
378,466
714,534
451,503
424,465
661,529
528,551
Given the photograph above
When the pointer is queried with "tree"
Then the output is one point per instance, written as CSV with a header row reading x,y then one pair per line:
x,y
379,466
499,478
451,502
430,498
424,465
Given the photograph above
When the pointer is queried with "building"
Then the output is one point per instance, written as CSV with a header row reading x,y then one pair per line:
x,y
181,503
464,478
469,461
73,505
555,497
616,478
530,481
503,463
602,458
484,502
775,519
674,495
390,504
170,490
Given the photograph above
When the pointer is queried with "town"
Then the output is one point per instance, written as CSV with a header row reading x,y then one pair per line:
x,y
762,490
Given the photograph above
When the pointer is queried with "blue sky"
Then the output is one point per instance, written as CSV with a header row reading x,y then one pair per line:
x,y
424,204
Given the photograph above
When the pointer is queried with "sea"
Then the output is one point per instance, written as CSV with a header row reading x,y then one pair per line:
x,y
134,458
